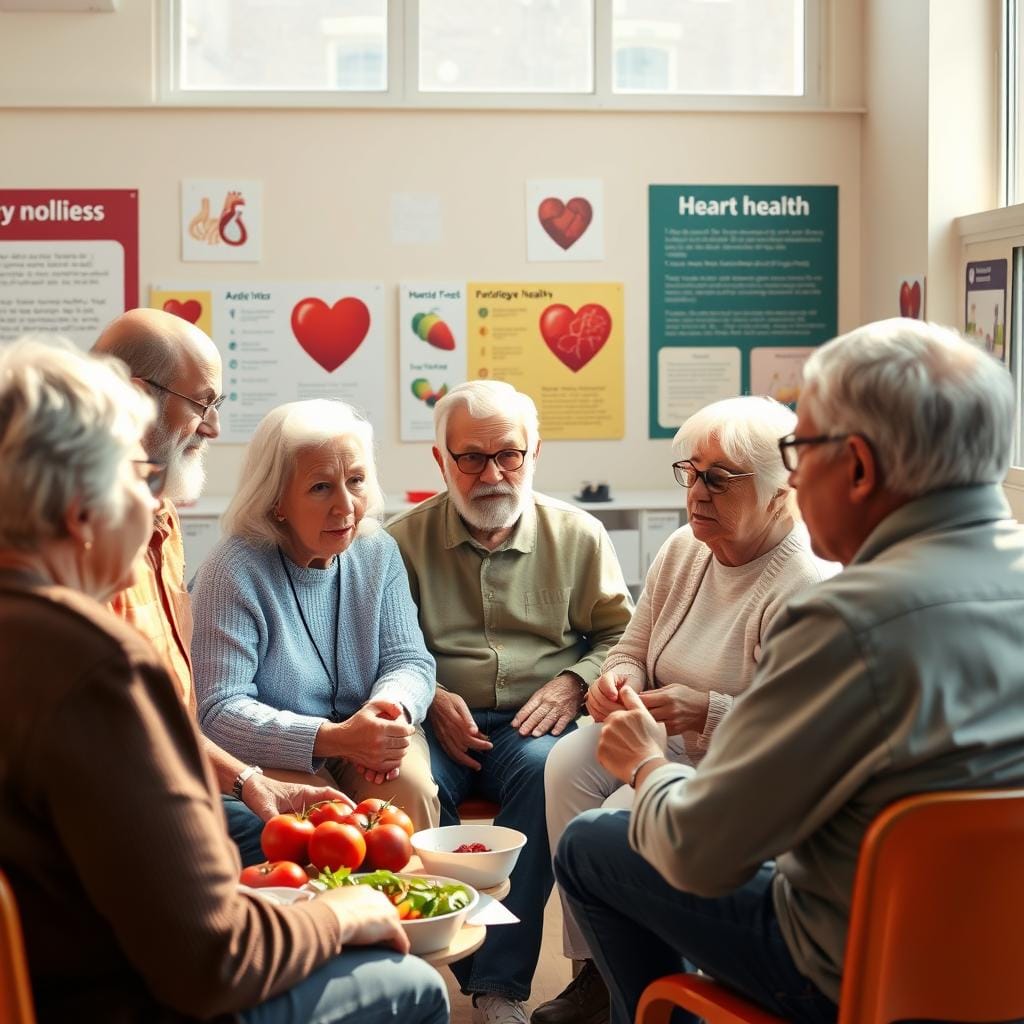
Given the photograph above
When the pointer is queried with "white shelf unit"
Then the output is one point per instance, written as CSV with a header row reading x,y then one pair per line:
x,y
638,523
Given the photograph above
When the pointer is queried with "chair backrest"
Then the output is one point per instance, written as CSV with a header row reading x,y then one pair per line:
x,y
16,1005
937,918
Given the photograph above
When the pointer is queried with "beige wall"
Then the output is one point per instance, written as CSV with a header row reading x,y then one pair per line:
x,y
329,175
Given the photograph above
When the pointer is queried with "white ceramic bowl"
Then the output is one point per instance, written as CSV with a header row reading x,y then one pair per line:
x,y
436,847
427,935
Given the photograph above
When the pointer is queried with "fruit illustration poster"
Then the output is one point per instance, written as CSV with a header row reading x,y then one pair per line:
x,y
560,343
221,220
432,352
69,260
564,219
282,342
985,306
743,278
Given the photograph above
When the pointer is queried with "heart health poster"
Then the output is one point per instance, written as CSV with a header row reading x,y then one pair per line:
x,y
562,344
285,342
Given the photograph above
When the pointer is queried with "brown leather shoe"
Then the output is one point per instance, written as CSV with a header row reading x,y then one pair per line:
x,y
583,1001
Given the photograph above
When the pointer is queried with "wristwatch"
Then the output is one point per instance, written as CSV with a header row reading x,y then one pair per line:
x,y
242,777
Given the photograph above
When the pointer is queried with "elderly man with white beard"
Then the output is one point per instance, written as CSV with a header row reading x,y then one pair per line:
x,y
179,367
520,599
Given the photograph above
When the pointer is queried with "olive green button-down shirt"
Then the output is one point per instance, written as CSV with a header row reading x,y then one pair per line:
x,y
502,623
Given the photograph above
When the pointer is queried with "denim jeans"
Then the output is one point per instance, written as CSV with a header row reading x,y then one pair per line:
x,y
512,774
245,829
363,986
640,928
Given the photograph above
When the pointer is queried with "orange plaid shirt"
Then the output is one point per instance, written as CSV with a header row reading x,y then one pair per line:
x,y
157,604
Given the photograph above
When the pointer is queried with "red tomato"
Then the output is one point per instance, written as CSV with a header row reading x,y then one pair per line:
x,y
370,806
360,821
286,837
388,847
281,872
335,845
396,816
329,810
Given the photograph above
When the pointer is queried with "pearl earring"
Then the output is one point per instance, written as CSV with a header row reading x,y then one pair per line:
x,y
88,545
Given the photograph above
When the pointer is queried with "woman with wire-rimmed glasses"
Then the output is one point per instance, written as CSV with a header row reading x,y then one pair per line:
x,y
693,644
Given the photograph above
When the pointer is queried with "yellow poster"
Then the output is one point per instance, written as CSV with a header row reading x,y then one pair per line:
x,y
562,344
192,306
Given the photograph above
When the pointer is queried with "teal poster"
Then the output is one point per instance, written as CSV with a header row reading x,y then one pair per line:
x,y
743,287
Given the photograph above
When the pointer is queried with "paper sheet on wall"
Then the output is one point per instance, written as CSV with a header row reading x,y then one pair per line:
x,y
69,261
432,351
562,344
282,342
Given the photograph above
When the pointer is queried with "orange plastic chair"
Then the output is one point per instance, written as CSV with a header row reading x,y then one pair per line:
x,y
936,921
478,809
16,1005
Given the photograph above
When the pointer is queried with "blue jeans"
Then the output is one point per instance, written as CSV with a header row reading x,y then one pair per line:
x,y
640,928
512,774
364,986
245,829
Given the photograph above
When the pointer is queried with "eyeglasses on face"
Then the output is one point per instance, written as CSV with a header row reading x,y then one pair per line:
x,y
204,407
789,446
153,474
474,463
715,480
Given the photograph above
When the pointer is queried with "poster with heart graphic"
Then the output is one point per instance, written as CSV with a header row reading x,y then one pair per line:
x,y
221,220
283,342
432,351
911,297
743,286
560,343
69,261
564,219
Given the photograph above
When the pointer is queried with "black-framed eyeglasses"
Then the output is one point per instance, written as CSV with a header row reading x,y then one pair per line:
x,y
204,406
789,446
474,463
715,480
153,474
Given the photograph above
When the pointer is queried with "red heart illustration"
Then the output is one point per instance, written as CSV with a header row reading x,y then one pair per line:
x,y
575,338
910,299
565,222
189,310
330,334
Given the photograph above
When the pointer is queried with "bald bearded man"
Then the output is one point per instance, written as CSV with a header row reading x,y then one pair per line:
x,y
180,368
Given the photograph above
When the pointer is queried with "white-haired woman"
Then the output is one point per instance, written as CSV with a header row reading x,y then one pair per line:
x,y
307,650
111,831
693,644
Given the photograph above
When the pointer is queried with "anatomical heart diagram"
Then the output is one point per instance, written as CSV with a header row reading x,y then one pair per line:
x,y
575,337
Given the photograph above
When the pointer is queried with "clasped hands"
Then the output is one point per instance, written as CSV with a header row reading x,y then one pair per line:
x,y
549,710
374,739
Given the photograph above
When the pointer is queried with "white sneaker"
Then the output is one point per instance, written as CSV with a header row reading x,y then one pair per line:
x,y
490,1009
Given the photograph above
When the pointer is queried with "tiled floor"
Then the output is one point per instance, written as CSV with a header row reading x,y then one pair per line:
x,y
552,975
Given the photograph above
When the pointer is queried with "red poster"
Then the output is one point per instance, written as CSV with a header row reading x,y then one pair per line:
x,y
69,260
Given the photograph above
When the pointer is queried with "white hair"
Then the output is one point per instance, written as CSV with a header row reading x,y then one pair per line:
x,y
281,436
748,430
937,411
485,399
67,423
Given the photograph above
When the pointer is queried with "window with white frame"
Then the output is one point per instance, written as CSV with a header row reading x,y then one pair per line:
x,y
576,53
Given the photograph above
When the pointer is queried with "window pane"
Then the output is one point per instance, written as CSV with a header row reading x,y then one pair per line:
x,y
281,44
506,46
728,47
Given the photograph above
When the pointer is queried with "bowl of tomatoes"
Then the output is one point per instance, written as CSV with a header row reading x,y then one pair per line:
x,y
480,855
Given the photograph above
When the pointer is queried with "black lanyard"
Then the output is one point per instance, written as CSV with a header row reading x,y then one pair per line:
x,y
334,716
